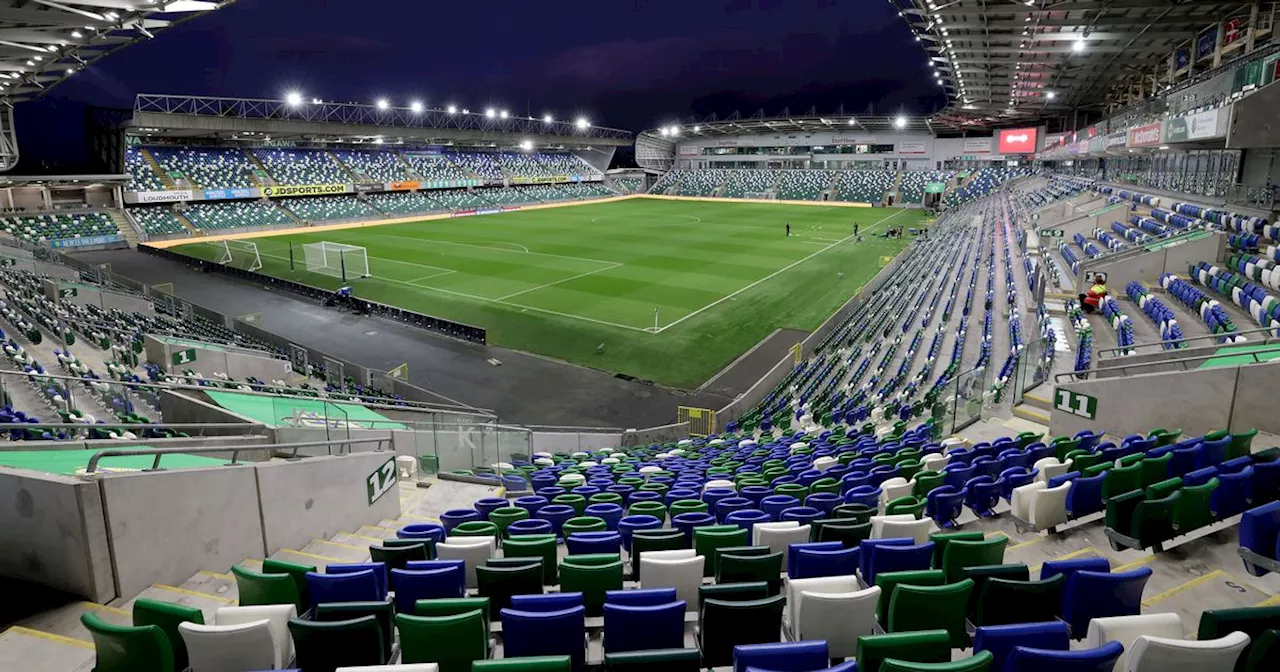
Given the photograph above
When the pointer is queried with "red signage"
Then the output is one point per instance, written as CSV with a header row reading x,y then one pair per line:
x,y
1145,136
1018,141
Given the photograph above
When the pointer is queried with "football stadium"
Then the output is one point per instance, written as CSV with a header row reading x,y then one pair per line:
x,y
413,384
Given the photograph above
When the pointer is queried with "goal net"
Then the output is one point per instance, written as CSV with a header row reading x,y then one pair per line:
x,y
242,254
337,260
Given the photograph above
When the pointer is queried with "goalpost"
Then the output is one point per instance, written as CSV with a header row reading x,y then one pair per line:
x,y
242,254
337,259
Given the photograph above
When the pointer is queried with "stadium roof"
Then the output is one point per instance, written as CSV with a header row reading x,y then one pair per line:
x,y
1005,62
43,42
807,123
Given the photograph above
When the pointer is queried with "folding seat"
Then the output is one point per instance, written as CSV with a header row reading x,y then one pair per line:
x,y
809,560
500,583
630,524
1015,477
584,543
734,568
944,505
914,607
961,553
229,647
1161,654
978,662
654,540
777,536
550,633
1241,443
799,656
1135,520
909,504
866,495
1127,629
896,558
326,645
664,660
1006,602
835,611
452,642
1121,480
533,546
547,601
888,582
707,539
1266,481
1025,659
1185,459
860,513
1192,510
957,474
474,552
592,580
413,585
1252,621
122,648
1231,497
981,495
925,646
1260,534
926,482
1000,640
265,588
1050,467
679,569
640,597
1155,469
636,628
906,526
277,617
1214,451
360,586
1089,595
1038,451
725,624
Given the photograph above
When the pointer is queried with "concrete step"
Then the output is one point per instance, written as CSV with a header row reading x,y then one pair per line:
x,y
65,620
207,603
358,539
22,648
335,549
1032,413
304,557
1035,399
376,531
212,583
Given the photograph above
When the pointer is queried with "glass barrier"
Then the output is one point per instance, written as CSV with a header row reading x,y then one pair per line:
x,y
970,391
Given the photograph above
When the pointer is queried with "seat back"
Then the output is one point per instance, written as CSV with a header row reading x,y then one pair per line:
x,y
637,628
412,586
896,558
1127,629
1005,601
277,615
361,586
962,553
453,642
167,616
500,583
255,588
944,606
890,581
473,551
926,646
593,581
1000,640
123,648
324,646
454,607
683,574
550,633
724,625
811,562
1027,659
781,656
239,646
379,570
667,660
1161,654
839,618
1089,595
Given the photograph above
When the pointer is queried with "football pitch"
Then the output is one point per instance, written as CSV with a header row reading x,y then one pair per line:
x,y
673,290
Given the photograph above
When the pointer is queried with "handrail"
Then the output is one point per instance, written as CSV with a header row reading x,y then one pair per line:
x,y
1124,370
1111,351
235,451
109,425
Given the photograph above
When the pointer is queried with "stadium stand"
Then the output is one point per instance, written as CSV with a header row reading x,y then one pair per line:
x,y
459,199
55,226
208,168
914,182
562,163
435,166
213,215
157,220
404,202
141,176
804,185
479,164
750,183
374,165
303,166
864,186
328,208
629,185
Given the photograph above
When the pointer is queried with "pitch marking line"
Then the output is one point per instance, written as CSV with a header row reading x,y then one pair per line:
x,y
491,249
428,277
774,274
550,284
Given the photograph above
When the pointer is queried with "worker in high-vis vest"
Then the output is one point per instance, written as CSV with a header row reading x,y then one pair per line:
x,y
1092,300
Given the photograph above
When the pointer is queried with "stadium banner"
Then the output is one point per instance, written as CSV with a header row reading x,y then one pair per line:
x,y
977,146
912,148
509,208
476,211
85,242
223,194
463,213
1201,126
1232,31
450,184
1117,140
374,186
1144,136
282,190
1206,42
164,196
935,187
1018,141
690,151
411,185
541,179
1181,58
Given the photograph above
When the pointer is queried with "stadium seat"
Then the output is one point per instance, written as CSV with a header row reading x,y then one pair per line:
x,y
1127,629
527,633
128,648
1099,659
277,617
924,646
643,627
1000,640
499,584
1159,654
328,645
781,656
914,607
832,609
1090,595
247,645
725,624
680,569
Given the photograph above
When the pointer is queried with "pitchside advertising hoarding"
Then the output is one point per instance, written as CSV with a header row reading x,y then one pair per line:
x,y
282,190
224,194
1116,140
1145,136
912,148
977,146
1018,141
165,196
1201,126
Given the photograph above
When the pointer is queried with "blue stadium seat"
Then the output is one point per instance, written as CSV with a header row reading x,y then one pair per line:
x,y
553,633
1091,595
1101,659
414,585
634,628
1000,640
781,656
361,586
896,558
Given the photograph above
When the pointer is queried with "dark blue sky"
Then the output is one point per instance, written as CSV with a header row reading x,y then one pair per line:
x,y
630,64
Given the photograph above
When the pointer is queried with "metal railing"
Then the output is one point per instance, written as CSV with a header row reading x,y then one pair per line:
x,y
292,448
1111,353
1183,362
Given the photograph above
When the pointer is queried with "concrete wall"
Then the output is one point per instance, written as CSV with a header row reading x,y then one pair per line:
x,y
97,296
167,525
238,363
320,496
53,532
1197,401
644,437
553,442
181,407
1148,267
1255,399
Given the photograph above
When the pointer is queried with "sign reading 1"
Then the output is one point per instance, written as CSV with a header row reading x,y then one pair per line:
x,y
381,481
1074,403
184,356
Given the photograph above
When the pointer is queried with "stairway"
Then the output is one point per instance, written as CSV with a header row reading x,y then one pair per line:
x,y
351,172
186,223
128,229
408,169
259,165
158,169
1036,405
55,641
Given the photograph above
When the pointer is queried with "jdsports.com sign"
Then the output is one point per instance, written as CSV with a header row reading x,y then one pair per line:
x,y
279,191
1018,141
1145,136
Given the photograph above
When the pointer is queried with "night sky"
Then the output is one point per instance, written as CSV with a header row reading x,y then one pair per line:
x,y
631,64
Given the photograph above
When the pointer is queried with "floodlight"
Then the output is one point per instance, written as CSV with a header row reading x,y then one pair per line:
x,y
664,131
582,123
675,131
416,106
900,122
546,118
383,104
697,129
1051,95
853,122
526,145
293,98
77,34
504,114
491,113
1077,46
452,109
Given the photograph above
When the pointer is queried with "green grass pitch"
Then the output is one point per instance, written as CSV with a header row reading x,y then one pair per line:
x,y
560,281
